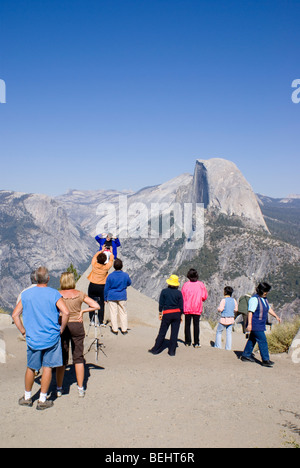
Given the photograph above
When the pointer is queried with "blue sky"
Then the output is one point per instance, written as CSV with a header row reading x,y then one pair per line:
x,y
129,93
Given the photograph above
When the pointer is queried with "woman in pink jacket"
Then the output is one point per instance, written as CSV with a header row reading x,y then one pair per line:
x,y
194,294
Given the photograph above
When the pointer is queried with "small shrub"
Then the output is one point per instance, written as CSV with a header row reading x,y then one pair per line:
x,y
72,269
212,323
282,335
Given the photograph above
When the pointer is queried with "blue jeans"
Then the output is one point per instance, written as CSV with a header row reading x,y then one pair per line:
x,y
218,342
258,337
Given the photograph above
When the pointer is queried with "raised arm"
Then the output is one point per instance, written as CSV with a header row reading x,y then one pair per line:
x,y
110,262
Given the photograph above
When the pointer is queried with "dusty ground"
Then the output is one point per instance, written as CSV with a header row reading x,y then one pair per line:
x,y
199,398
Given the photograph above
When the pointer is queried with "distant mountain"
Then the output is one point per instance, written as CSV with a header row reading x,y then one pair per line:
x,y
238,247
216,183
82,205
247,238
220,185
282,216
36,230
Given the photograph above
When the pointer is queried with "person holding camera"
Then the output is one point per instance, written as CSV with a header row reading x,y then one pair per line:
x,y
97,278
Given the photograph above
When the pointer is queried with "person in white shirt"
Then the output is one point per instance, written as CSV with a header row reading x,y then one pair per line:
x,y
33,284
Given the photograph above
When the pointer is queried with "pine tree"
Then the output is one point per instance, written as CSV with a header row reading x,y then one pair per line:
x,y
72,269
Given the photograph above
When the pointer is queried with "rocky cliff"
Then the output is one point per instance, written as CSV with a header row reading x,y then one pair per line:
x,y
239,247
216,183
36,230
220,185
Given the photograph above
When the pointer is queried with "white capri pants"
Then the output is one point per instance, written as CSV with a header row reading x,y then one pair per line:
x,y
118,308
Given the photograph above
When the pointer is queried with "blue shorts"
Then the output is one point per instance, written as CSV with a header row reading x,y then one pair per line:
x,y
51,357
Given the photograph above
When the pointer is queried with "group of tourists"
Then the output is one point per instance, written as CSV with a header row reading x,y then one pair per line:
x,y
52,319
111,289
173,304
189,301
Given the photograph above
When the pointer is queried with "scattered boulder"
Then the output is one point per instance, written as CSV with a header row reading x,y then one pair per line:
x,y
2,350
5,321
294,350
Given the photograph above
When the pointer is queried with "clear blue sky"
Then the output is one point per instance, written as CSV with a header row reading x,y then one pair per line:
x,y
128,93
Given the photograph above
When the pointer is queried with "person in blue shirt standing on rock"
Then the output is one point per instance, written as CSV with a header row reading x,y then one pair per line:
x,y
109,241
259,309
115,293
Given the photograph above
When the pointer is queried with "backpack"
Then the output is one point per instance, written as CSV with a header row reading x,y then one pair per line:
x,y
243,304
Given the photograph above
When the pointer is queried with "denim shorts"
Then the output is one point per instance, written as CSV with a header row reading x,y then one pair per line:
x,y
51,357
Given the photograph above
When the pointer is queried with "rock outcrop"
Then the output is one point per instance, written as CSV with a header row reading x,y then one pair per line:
x,y
221,186
36,230
238,248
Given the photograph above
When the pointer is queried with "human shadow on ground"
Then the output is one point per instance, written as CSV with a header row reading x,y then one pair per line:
x,y
69,380
255,360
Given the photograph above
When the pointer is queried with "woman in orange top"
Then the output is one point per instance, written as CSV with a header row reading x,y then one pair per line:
x,y
97,278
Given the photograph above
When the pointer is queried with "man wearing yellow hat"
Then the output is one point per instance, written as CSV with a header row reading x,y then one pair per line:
x,y
170,311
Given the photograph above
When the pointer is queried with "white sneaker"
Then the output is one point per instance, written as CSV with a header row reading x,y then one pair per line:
x,y
81,392
59,393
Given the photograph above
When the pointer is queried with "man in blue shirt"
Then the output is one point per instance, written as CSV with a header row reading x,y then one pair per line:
x,y
41,307
115,293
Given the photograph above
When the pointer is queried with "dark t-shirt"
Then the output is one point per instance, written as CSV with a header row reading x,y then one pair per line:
x,y
170,299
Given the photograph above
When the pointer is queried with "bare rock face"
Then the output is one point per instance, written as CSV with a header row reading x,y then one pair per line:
x,y
217,183
238,248
221,186
35,230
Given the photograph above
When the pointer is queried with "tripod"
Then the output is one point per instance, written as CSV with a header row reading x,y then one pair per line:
x,y
96,341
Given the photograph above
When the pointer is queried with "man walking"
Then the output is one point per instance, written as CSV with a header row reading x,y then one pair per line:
x,y
41,307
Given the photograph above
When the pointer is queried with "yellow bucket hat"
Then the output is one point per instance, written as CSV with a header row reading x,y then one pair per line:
x,y
173,281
